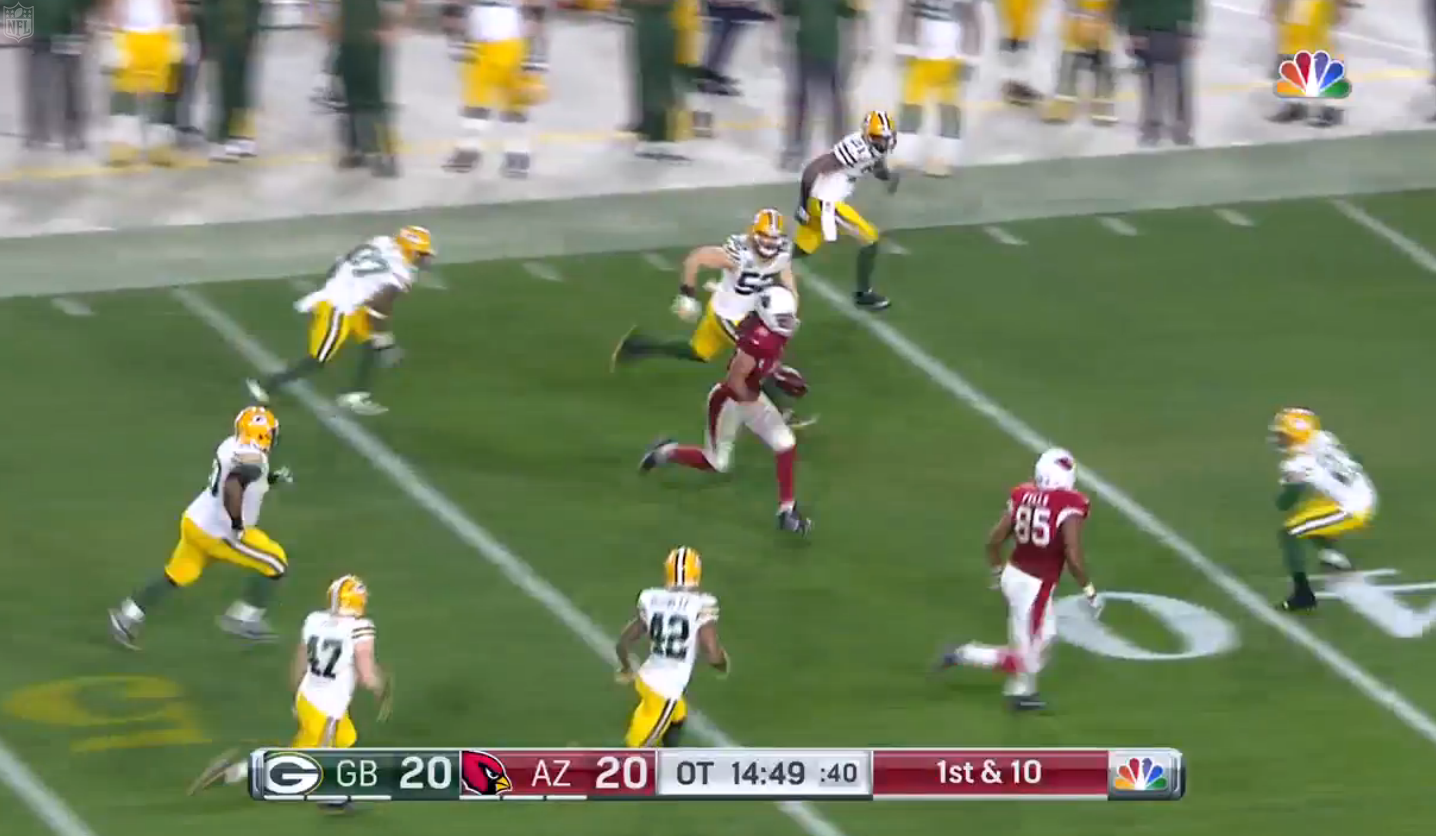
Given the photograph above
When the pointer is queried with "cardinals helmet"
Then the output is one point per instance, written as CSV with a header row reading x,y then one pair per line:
x,y
1055,471
683,569
778,309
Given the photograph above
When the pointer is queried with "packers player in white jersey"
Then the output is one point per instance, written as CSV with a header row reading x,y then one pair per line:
x,y
357,301
940,42
750,264
222,523
679,620
828,181
1325,495
335,653
145,46
499,46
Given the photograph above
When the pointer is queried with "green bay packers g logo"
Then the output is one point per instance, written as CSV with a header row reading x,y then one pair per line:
x,y
291,773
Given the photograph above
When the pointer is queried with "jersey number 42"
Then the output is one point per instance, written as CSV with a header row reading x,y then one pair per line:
x,y
670,633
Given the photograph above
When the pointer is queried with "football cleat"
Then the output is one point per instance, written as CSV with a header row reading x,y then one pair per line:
x,y
1334,559
949,659
1027,702
214,773
124,630
791,520
654,456
797,422
871,300
256,391
360,403
256,630
1299,602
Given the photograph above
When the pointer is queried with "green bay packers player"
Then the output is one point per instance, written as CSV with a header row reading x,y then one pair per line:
x,y
679,619
1325,495
335,652
828,182
499,47
357,301
222,523
1087,33
146,45
1018,19
941,43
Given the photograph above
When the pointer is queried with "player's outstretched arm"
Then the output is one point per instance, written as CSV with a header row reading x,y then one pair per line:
x,y
789,280
996,538
738,372
621,649
1071,534
371,676
713,650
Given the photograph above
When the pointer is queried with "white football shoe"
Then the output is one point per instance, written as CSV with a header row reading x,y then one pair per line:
x,y
1334,559
360,403
256,391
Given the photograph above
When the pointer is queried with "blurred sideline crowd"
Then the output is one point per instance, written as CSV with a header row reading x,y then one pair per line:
x,y
156,54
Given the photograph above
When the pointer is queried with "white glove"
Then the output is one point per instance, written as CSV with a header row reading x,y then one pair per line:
x,y
283,474
686,308
1094,601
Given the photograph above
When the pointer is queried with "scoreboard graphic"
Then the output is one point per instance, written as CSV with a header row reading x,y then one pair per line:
x,y
715,774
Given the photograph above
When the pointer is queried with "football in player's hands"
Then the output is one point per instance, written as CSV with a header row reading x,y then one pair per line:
x,y
791,381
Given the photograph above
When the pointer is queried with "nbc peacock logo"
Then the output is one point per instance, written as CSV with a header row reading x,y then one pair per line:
x,y
1140,775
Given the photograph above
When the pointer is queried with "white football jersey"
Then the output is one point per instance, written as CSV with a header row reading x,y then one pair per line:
x,y
146,15
360,274
673,617
495,20
739,289
1324,465
939,28
207,510
858,157
329,640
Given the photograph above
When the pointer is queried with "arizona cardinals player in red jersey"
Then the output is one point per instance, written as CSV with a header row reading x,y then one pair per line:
x,y
739,401
1044,519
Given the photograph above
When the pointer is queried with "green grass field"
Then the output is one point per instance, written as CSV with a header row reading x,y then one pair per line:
x,y
1158,357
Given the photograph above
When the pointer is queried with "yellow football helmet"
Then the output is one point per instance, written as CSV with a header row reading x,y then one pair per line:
x,y
348,596
878,130
766,233
683,569
1294,427
417,245
256,425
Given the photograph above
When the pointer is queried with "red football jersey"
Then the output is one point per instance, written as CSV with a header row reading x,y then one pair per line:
x,y
762,344
1036,517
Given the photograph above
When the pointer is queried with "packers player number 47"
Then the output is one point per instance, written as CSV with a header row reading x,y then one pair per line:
x,y
679,620
1325,495
357,301
222,523
828,181
335,653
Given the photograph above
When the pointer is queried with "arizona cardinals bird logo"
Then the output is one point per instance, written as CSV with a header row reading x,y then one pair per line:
x,y
484,774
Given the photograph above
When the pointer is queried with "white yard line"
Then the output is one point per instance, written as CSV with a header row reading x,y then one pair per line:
x,y
1234,217
1241,594
658,262
452,517
73,307
47,806
1004,237
1117,225
1412,250
540,270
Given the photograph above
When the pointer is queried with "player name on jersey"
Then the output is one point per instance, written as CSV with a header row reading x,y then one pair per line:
x,y
714,774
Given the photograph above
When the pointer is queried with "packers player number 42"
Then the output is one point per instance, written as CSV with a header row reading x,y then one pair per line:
x,y
679,620
357,301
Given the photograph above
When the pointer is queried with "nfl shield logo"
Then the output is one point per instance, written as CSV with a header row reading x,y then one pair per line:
x,y
17,23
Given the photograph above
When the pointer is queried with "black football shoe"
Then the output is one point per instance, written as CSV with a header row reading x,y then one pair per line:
x,y
791,520
654,455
